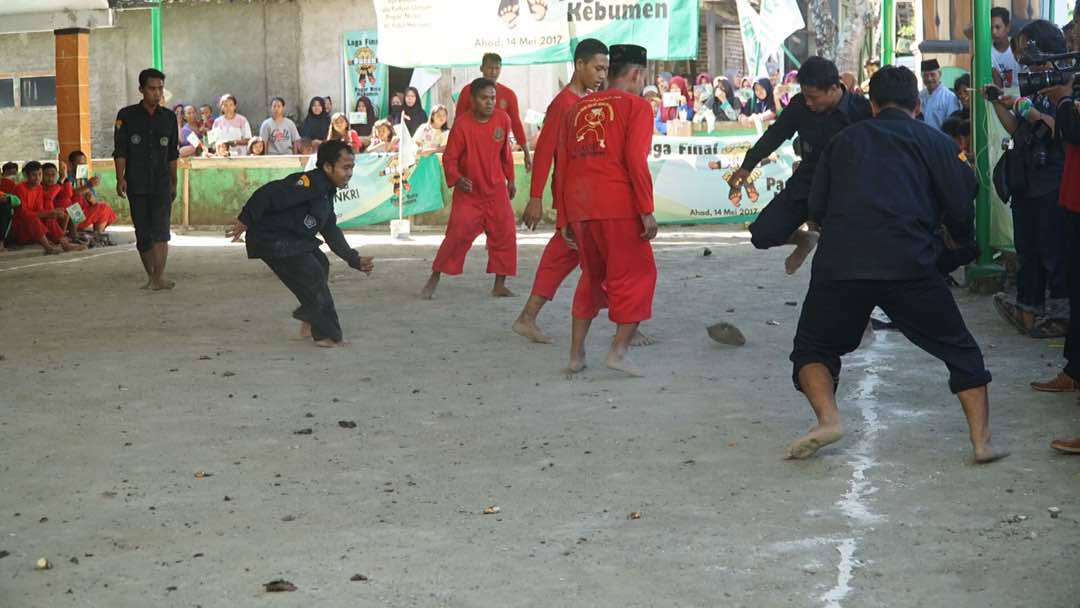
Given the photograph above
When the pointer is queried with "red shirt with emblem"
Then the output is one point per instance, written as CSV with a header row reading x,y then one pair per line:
x,y
505,100
58,196
602,168
477,150
33,199
544,155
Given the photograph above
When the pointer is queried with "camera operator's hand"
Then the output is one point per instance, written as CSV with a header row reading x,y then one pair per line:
x,y
1056,94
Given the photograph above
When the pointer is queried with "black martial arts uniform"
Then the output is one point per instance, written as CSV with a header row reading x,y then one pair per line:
x,y
150,143
881,190
283,218
787,211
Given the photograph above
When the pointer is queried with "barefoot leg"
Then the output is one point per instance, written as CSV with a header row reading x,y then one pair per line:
x,y
160,254
305,329
428,292
817,384
525,325
331,343
578,330
500,290
976,404
147,259
804,241
641,338
617,357
48,246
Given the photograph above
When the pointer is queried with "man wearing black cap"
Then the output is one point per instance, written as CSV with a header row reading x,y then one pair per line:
x,y
881,189
604,147
938,102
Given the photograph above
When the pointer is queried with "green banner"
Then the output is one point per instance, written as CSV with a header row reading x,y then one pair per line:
x,y
372,195
690,179
364,75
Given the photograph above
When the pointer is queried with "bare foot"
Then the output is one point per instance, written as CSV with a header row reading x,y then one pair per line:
x,y
147,285
428,292
577,363
528,329
986,453
805,241
69,246
162,285
623,364
502,292
329,343
53,250
305,329
818,437
641,338
726,333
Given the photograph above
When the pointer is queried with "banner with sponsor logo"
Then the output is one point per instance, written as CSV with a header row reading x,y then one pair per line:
x,y
372,195
365,76
529,31
690,179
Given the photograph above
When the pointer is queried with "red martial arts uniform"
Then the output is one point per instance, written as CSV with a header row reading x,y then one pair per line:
x,y
604,186
96,213
480,152
7,185
26,226
505,100
558,259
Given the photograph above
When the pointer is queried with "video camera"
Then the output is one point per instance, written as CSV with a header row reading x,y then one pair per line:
x,y
1062,67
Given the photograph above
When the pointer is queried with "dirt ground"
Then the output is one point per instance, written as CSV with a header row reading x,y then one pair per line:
x,y
155,447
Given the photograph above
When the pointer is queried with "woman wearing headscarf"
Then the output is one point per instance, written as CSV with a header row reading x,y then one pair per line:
x,y
368,116
725,104
678,83
790,81
317,123
412,112
762,105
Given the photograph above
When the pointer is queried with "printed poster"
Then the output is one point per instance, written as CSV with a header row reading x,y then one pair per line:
x,y
365,76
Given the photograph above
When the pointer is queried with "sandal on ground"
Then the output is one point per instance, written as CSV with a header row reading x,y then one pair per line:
x,y
1010,313
1049,328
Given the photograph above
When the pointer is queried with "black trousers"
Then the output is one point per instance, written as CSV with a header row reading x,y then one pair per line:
x,y
1072,339
1039,236
778,220
6,213
152,216
835,313
307,276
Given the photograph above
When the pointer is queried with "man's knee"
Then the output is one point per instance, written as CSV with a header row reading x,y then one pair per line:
x,y
801,359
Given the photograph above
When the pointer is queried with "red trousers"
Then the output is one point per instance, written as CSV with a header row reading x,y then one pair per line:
x,y
616,260
98,213
27,229
469,218
556,263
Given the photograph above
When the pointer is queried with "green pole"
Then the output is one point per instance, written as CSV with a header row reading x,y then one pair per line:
x,y
980,109
156,39
888,31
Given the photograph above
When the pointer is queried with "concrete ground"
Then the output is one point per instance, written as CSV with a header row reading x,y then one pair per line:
x,y
155,447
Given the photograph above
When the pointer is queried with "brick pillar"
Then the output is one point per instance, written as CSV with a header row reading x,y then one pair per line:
x,y
73,91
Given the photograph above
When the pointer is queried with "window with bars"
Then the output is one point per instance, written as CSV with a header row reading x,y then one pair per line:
x,y
36,91
7,92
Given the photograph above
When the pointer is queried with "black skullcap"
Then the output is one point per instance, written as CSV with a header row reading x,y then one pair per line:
x,y
930,65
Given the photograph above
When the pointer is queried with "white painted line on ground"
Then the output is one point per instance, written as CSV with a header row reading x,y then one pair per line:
x,y
853,505
70,260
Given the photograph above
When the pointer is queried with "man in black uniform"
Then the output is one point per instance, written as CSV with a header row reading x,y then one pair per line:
x,y
147,145
820,111
881,189
282,219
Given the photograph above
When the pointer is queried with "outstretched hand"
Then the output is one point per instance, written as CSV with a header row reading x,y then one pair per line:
x,y
366,265
236,231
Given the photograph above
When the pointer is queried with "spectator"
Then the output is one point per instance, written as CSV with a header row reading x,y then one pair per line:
x,y
725,104
339,129
790,84
850,83
191,130
367,117
316,124
58,196
962,90
412,112
99,214
232,128
35,221
684,111
178,109
869,69
663,82
382,138
431,136
652,95
1038,221
397,105
9,176
206,122
223,149
958,128
1002,59
328,109
938,102
256,147
280,132
1071,31
762,106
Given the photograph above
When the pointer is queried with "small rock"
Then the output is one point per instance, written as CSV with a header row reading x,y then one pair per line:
x,y
707,252
634,515
43,564
359,578
228,498
492,510
303,432
43,520
198,555
228,374
278,585
4,554
289,518
773,323
309,415
1054,512
1013,518
204,357
731,310
791,303
74,560
347,424
170,588
202,474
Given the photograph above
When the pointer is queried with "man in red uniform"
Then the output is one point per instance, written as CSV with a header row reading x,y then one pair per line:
x,y
558,259
605,188
479,167
505,99
35,221
99,214
8,201
57,197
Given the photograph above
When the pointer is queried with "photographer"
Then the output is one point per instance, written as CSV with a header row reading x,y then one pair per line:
x,y
1035,166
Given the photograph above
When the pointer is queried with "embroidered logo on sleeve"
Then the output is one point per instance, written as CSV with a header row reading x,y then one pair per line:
x,y
310,222
303,182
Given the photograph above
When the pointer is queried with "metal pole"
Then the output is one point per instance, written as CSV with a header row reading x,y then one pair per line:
x,y
156,39
187,195
980,109
888,31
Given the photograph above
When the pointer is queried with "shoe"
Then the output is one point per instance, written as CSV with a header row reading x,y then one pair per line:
x,y
1049,328
1062,383
1068,446
1009,312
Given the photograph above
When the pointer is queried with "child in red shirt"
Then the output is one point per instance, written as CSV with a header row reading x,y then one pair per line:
x,y
35,220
